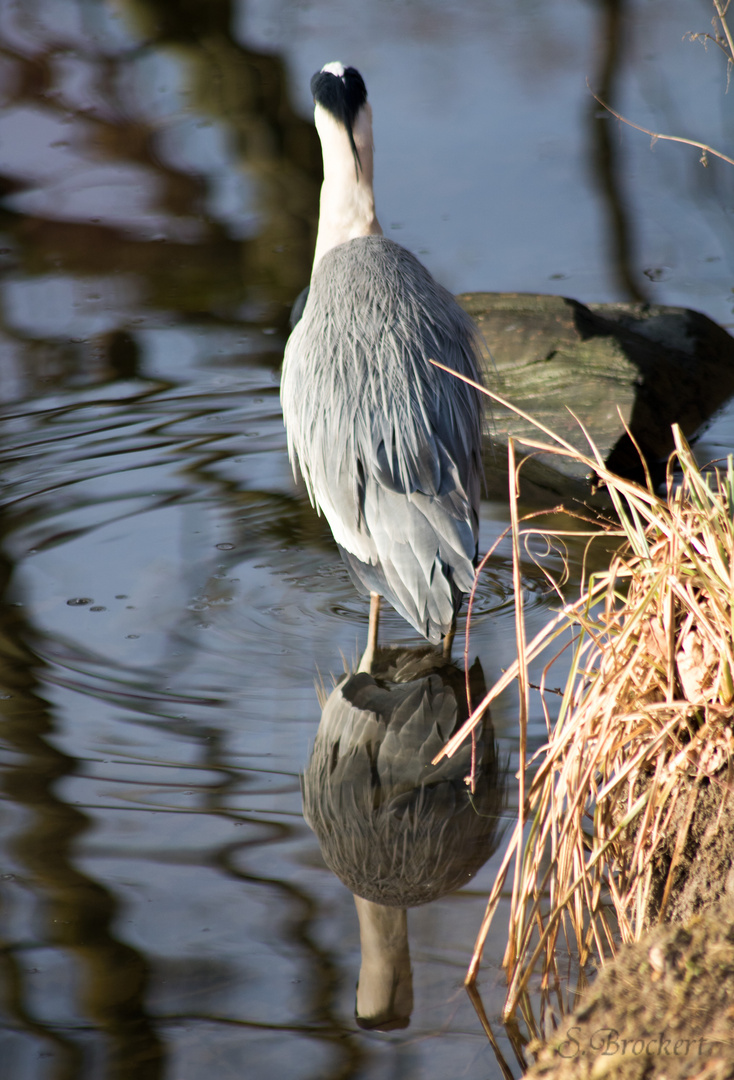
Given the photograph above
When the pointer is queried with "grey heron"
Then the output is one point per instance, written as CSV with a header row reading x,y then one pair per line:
x,y
397,830
388,445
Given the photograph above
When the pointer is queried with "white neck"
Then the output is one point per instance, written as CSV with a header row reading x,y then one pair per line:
x,y
347,207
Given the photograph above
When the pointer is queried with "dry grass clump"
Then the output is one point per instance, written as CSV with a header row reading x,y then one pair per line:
x,y
644,722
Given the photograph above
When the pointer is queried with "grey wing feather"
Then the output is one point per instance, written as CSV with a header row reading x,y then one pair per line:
x,y
389,446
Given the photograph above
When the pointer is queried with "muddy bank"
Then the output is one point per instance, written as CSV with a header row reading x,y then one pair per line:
x,y
663,1008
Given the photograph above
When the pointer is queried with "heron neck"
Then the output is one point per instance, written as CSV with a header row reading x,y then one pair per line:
x,y
347,206
385,988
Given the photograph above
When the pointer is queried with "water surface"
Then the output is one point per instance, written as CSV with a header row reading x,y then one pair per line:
x,y
168,596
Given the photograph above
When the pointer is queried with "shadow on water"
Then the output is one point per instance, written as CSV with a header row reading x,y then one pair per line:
x,y
397,830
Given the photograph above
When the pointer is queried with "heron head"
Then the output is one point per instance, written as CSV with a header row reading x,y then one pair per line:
x,y
340,92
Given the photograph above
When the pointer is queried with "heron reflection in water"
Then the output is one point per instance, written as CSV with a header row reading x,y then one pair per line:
x,y
388,445
395,829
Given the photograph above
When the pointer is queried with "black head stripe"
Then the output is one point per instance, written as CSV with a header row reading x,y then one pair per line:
x,y
342,96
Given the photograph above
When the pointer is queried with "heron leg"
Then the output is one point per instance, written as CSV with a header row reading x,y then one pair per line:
x,y
365,663
448,641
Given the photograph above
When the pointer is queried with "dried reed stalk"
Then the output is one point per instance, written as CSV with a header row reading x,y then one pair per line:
x,y
645,717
